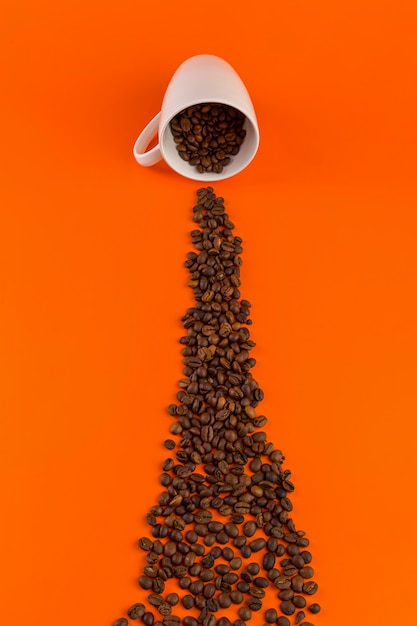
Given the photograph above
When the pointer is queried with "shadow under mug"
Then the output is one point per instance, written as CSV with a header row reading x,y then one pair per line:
x,y
202,79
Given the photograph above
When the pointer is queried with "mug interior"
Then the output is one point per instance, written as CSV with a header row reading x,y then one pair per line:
x,y
238,162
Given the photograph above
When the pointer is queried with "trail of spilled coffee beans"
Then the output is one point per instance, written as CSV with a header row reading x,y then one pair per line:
x,y
223,549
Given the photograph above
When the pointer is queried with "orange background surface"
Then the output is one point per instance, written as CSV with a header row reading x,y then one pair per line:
x,y
92,288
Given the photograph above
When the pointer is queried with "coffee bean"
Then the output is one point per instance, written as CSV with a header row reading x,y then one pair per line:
x,y
287,607
298,561
169,444
236,596
282,582
299,617
286,594
310,587
171,620
164,608
155,599
299,602
297,583
188,601
137,610
283,621
121,622
307,572
231,530
147,618
243,587
224,600
314,608
145,582
249,529
253,568
173,599
254,604
257,544
245,613
268,561
306,556
145,543
236,563
271,616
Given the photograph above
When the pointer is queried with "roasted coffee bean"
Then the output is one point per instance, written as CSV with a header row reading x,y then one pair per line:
x,y
286,594
137,610
148,618
196,587
243,587
271,616
173,599
283,621
165,608
299,602
249,529
253,568
306,556
282,582
231,530
298,561
236,563
206,575
171,620
145,543
297,583
169,444
224,600
310,587
299,617
257,544
293,549
268,561
122,621
236,596
155,599
287,607
239,541
188,601
245,552
145,582
314,608
307,572
245,613
254,604
190,621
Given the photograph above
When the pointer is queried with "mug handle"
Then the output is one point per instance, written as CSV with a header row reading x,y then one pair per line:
x,y
139,149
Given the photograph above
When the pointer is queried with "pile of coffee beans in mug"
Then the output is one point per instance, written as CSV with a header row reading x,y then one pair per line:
x,y
223,548
208,135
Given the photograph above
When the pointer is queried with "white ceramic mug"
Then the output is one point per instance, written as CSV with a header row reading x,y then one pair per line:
x,y
204,78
